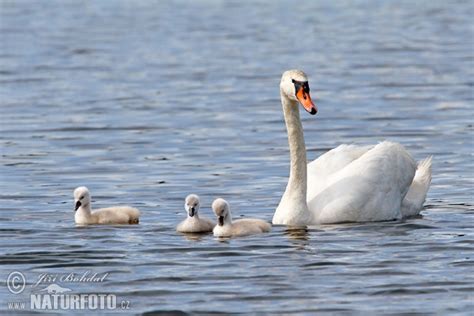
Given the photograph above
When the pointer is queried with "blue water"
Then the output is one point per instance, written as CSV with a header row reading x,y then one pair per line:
x,y
146,102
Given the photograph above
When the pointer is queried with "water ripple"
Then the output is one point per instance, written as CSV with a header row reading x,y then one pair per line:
x,y
148,102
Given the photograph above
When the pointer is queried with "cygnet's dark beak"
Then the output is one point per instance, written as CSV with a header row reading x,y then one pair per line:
x,y
78,205
191,211
221,220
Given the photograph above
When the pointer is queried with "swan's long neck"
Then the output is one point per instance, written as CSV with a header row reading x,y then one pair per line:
x,y
228,219
293,209
84,211
297,181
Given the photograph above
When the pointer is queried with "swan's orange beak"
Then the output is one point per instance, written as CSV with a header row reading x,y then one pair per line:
x,y
306,102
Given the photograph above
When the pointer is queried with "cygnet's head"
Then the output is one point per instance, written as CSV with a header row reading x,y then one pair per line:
x,y
294,85
192,204
222,210
82,197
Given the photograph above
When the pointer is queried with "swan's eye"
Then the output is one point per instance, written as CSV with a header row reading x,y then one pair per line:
x,y
301,85
81,197
306,87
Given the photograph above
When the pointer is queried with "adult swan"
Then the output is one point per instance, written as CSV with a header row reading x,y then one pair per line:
x,y
348,183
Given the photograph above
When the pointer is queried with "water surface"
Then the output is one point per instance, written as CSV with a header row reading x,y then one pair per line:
x,y
145,103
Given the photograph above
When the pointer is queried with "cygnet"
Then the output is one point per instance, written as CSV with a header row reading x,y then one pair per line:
x,y
110,215
241,227
194,223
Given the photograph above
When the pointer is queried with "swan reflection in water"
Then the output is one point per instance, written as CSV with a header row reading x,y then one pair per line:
x,y
298,236
297,233
194,236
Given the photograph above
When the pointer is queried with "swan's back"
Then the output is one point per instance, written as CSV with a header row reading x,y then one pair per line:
x,y
242,227
252,225
370,188
117,215
320,169
337,158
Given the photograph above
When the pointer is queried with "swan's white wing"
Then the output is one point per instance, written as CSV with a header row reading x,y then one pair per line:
x,y
370,188
320,169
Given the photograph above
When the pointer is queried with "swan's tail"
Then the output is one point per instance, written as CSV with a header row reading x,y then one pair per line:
x,y
413,201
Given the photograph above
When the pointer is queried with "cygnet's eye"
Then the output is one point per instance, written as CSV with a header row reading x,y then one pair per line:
x,y
81,197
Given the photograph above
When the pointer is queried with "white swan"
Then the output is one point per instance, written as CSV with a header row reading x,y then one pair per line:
x,y
349,183
241,227
194,223
111,215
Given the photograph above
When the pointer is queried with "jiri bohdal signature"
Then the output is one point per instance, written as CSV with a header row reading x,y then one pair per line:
x,y
85,277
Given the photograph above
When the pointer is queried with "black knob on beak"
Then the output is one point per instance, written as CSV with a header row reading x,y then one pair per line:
x,y
78,205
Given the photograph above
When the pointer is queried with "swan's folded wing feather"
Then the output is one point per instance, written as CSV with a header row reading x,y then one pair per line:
x,y
320,169
415,198
370,188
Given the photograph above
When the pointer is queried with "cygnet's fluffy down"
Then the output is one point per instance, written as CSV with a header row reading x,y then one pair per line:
x,y
110,215
194,223
241,227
